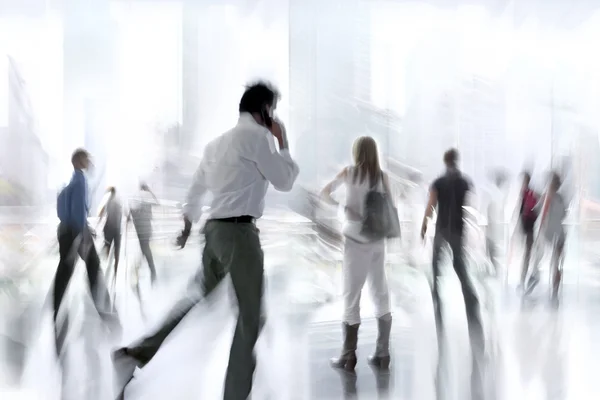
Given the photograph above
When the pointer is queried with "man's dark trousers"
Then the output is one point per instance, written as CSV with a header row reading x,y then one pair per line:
x,y
67,239
232,248
472,308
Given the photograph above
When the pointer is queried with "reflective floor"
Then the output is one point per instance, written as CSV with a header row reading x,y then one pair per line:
x,y
533,350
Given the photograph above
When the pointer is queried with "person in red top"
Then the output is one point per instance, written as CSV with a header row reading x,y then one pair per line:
x,y
527,217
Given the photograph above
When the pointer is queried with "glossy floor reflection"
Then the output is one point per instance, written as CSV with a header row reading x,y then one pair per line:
x,y
534,351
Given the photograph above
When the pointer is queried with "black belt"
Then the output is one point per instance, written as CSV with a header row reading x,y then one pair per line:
x,y
244,219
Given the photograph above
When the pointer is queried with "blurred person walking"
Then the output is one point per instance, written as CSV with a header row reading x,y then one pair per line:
x,y
528,215
140,212
236,168
494,211
364,258
554,212
449,195
75,237
113,211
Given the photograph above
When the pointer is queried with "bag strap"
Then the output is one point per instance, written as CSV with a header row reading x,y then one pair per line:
x,y
374,186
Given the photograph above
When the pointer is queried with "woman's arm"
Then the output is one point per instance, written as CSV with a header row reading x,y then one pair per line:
x,y
332,186
386,184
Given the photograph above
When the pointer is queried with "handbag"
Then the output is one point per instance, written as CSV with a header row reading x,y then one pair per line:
x,y
381,216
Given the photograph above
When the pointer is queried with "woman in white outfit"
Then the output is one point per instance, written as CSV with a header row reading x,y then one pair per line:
x,y
363,259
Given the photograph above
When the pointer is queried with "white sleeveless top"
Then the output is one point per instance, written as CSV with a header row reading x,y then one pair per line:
x,y
356,193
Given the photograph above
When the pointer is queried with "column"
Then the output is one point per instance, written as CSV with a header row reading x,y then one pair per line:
x,y
89,71
190,74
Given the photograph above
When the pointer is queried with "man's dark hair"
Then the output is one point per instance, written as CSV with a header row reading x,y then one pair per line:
x,y
257,96
451,158
112,190
78,154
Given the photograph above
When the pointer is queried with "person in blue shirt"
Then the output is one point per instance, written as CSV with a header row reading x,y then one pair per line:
x,y
75,238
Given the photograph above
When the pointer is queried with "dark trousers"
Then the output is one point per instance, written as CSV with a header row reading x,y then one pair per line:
x,y
67,240
492,253
527,225
147,253
455,241
143,227
230,248
112,237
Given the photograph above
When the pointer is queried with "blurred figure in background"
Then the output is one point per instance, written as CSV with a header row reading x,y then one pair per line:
x,y
528,214
448,194
554,212
415,204
236,168
494,211
363,259
140,211
75,238
113,211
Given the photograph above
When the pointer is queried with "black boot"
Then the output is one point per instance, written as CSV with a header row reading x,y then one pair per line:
x,y
347,359
381,358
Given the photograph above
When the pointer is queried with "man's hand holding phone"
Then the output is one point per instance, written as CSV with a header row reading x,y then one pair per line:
x,y
278,130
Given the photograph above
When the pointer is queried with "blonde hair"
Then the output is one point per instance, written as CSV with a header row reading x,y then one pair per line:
x,y
366,160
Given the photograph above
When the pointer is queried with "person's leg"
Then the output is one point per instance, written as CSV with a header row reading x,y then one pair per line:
x,y
528,230
473,313
117,252
61,282
354,274
106,247
98,288
557,259
354,271
380,293
141,352
438,247
108,239
208,277
108,243
492,255
147,252
240,250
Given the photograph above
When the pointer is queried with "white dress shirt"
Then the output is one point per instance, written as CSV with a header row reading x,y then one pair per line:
x,y
236,168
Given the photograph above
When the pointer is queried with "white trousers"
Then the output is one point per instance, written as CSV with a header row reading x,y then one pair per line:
x,y
362,262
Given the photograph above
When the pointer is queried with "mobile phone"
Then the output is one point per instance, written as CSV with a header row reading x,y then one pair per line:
x,y
266,118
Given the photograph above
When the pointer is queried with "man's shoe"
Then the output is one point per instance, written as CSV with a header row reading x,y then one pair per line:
x,y
124,366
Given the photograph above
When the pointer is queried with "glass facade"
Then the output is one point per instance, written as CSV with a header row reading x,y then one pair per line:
x,y
507,88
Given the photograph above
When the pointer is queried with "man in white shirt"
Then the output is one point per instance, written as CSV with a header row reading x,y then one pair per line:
x,y
236,168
